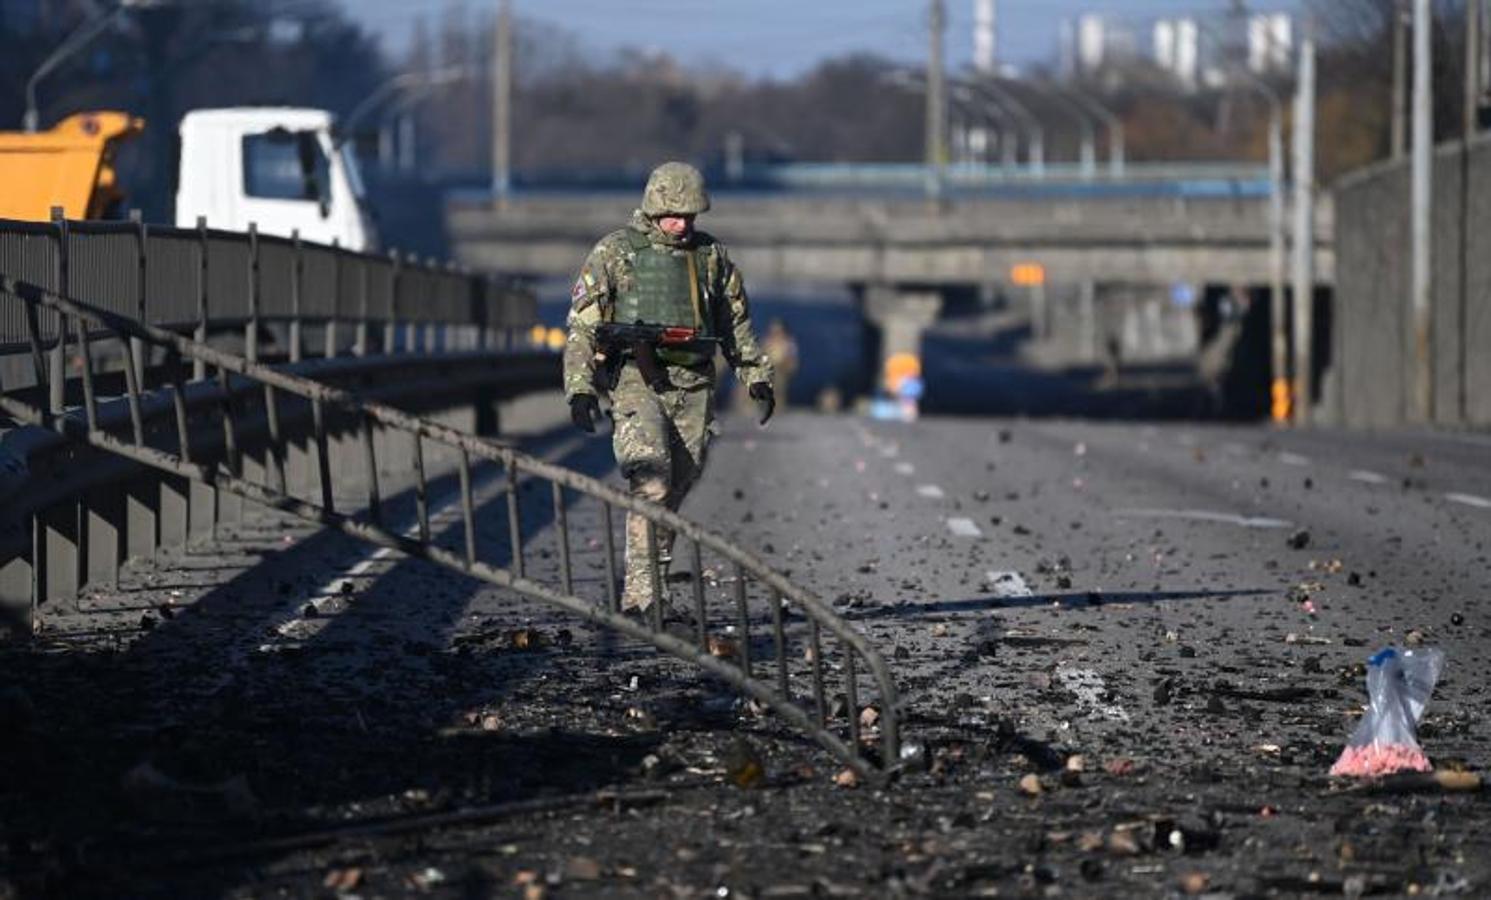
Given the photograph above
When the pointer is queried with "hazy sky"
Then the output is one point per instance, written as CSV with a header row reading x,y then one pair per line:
x,y
784,37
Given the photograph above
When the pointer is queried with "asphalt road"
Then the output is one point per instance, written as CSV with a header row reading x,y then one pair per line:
x,y
1164,625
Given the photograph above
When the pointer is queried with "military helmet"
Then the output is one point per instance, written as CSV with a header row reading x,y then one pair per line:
x,y
675,189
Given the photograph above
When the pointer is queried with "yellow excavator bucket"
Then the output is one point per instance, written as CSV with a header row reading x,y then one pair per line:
x,y
69,165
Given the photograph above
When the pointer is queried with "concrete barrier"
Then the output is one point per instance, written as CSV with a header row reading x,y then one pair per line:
x,y
1374,355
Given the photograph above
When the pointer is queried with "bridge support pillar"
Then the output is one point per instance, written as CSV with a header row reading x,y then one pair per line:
x,y
141,501
901,315
104,526
201,513
17,597
62,552
175,508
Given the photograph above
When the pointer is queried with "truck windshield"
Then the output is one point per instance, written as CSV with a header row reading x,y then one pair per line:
x,y
354,174
286,165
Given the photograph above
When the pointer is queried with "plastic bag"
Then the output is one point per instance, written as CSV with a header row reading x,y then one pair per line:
x,y
1399,683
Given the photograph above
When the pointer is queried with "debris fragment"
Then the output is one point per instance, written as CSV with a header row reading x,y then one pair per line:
x,y
582,868
527,639
847,778
1443,780
1030,785
723,648
342,880
743,764
1194,883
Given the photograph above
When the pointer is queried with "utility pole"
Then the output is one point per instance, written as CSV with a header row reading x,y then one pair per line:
x,y
1304,229
1484,90
1279,334
936,101
502,97
1399,133
1473,64
1421,285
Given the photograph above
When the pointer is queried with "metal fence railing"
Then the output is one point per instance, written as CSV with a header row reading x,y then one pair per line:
x,y
277,291
788,649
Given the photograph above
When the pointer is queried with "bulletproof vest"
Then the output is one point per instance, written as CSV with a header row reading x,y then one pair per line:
x,y
668,287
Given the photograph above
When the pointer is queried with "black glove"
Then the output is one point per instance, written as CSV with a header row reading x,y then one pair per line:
x,y
584,410
766,399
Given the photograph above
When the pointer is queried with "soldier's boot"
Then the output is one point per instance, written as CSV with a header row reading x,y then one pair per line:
x,y
638,590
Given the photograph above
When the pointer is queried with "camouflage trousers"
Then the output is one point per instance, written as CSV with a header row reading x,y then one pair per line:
x,y
660,441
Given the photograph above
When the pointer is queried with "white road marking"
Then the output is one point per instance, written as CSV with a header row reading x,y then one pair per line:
x,y
964,528
1469,500
1367,477
1293,459
930,491
1008,584
1088,687
905,468
1201,515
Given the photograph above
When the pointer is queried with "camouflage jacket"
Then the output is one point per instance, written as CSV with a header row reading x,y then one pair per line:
x,y
608,267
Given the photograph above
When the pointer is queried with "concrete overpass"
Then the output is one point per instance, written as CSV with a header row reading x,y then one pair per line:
x,y
902,253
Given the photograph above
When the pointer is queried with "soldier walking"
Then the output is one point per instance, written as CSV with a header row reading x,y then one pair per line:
x,y
679,287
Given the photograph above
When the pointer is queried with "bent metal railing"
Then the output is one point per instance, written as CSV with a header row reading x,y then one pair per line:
x,y
732,662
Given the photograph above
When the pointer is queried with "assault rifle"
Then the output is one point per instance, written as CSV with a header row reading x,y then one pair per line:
x,y
642,342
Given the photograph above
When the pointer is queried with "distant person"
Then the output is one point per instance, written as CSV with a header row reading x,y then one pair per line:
x,y
781,351
660,271
1217,357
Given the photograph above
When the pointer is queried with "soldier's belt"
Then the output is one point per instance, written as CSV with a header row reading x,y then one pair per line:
x,y
685,356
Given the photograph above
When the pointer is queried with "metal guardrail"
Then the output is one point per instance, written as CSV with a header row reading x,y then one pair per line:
x,y
285,296
753,583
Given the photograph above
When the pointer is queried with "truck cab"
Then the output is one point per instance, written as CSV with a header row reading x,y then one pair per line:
x,y
278,168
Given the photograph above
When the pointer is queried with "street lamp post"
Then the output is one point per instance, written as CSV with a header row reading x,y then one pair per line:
x,y
1421,218
1117,156
1036,147
413,83
1304,230
81,37
1088,153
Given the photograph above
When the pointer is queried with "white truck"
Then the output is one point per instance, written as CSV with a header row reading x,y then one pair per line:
x,y
279,168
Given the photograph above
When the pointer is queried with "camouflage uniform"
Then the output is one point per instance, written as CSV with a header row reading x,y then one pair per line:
x,y
661,436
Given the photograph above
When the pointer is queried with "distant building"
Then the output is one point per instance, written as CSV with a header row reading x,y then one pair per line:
x,y
1177,49
985,36
1270,42
1093,41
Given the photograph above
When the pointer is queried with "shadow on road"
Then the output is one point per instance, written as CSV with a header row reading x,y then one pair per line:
x,y
369,713
1075,601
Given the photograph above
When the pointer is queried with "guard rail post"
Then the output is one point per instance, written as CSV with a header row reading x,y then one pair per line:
x,y
336,296
390,325
297,278
199,368
56,361
205,504
58,560
360,346
173,519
